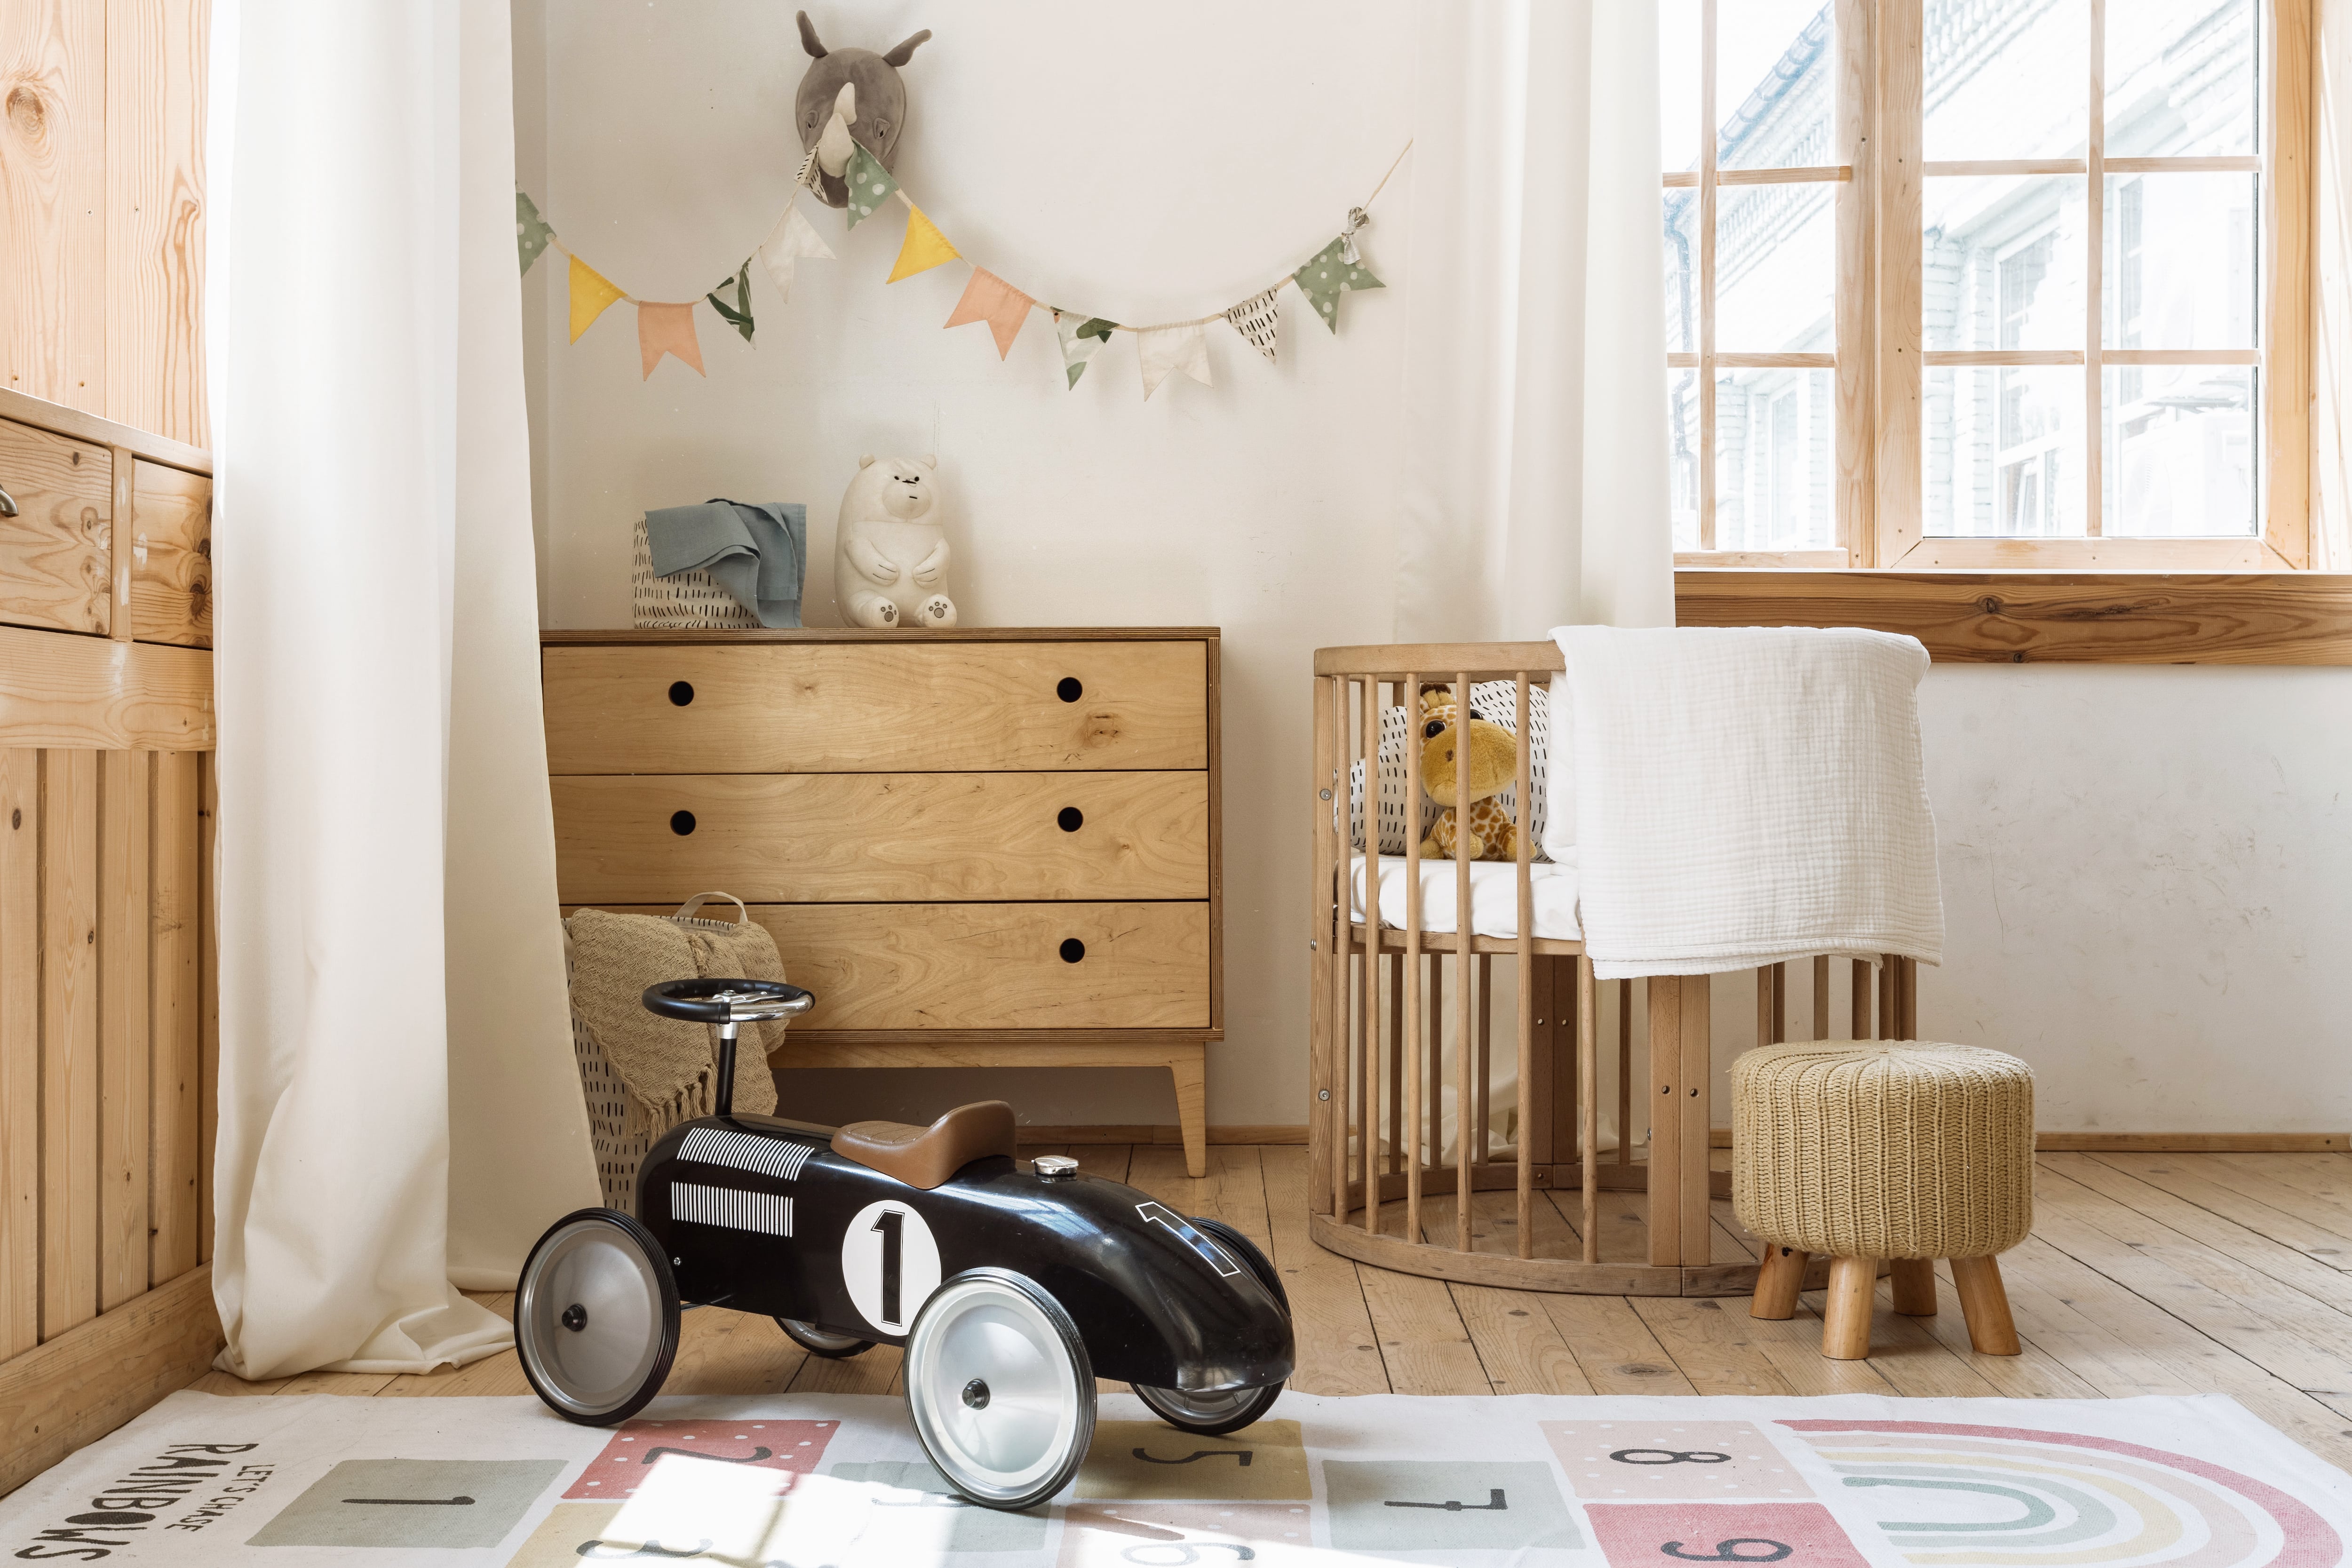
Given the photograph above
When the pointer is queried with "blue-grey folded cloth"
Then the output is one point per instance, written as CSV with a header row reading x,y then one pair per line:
x,y
758,551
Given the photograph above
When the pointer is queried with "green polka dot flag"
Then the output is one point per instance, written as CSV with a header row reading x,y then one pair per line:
x,y
531,232
870,184
1328,277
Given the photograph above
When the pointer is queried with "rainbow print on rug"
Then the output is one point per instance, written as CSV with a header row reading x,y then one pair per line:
x,y
841,1482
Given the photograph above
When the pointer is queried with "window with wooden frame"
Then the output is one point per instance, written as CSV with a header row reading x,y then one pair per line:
x,y
1978,284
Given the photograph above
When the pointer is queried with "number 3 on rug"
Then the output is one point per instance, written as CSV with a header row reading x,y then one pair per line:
x,y
889,1265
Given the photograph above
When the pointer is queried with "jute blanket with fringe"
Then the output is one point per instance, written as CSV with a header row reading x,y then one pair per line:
x,y
670,1068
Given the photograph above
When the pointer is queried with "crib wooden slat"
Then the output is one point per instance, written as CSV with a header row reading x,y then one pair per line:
x,y
1821,996
1395,962
1624,1072
1483,1080
1524,799
1587,1048
1329,942
1780,1003
1862,1029
1888,985
1369,745
1463,1051
1908,1017
1410,696
1763,1004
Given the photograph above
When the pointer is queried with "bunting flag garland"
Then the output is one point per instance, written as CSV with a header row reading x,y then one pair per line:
x,y
592,296
1082,336
1330,275
739,314
1162,349
925,246
667,330
870,185
792,238
1255,319
531,232
988,298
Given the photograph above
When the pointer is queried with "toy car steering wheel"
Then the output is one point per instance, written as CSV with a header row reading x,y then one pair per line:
x,y
726,1001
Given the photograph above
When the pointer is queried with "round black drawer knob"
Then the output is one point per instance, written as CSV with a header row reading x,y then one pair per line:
x,y
681,692
681,823
1073,950
1071,818
1068,690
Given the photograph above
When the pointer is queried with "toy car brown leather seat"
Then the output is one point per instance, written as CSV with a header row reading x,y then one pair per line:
x,y
926,1157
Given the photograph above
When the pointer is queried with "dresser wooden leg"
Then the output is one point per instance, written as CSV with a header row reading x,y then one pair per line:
x,y
1985,1305
1845,1328
1192,1075
1915,1287
1777,1283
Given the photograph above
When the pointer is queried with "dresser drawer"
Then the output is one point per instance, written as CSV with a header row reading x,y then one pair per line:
x,y
992,966
937,707
57,552
883,837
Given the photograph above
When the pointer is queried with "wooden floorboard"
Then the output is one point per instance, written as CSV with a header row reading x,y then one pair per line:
x,y
2146,1273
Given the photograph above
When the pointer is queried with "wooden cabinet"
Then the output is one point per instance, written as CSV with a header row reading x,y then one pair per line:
x,y
988,847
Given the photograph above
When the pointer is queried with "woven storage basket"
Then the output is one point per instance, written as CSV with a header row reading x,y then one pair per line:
x,y
684,601
620,1147
1891,1148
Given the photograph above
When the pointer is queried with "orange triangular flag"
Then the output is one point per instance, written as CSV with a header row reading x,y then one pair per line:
x,y
591,294
925,246
988,298
667,330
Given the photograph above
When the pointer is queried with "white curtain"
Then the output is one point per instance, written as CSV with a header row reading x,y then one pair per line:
x,y
1535,486
1535,467
398,1108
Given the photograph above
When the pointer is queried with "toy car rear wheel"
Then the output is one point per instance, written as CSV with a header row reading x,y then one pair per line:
x,y
1213,1413
596,1316
821,1341
999,1388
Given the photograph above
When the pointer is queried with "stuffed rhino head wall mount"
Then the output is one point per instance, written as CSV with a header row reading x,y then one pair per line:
x,y
865,86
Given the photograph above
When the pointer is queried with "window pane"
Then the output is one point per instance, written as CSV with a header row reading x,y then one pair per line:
x,y
1682,444
1776,63
1776,268
1680,257
1776,458
2002,451
2179,451
2003,262
2183,262
2008,80
2180,79
1678,67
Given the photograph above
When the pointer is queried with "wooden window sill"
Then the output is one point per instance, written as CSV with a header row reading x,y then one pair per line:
x,y
2036,618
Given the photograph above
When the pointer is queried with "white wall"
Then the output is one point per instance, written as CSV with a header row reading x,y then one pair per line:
x,y
2145,871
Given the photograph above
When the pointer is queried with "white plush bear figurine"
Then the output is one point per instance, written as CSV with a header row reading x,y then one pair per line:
x,y
890,557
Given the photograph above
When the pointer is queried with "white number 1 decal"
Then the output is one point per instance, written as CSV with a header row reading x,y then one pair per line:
x,y
1160,1214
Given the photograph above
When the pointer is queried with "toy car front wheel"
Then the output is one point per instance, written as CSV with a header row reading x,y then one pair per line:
x,y
595,1317
999,1388
1213,1413
821,1341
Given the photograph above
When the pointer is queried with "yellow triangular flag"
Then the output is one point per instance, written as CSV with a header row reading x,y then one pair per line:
x,y
591,295
924,247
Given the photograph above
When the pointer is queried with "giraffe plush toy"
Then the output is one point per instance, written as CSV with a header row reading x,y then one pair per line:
x,y
1494,764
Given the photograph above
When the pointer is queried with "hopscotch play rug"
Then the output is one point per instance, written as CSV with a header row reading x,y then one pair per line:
x,y
787,1482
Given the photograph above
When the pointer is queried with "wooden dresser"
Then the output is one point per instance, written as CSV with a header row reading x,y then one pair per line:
x,y
993,848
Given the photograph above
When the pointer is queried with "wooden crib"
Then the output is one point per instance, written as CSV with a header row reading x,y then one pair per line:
x,y
1379,1187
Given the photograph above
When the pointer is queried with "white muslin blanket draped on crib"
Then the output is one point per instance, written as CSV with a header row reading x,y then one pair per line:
x,y
1745,795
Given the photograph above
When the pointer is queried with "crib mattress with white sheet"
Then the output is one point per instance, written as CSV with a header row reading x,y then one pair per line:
x,y
1494,897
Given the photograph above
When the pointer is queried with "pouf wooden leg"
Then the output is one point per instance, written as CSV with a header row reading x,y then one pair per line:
x,y
1845,1328
1779,1282
1985,1305
1915,1287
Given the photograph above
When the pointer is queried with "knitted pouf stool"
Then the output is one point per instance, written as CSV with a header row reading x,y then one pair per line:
x,y
1858,1150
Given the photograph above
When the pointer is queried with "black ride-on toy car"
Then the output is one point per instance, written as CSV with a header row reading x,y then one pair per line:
x,y
1010,1286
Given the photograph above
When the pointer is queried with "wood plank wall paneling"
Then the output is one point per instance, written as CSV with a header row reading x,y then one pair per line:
x,y
101,207
103,954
